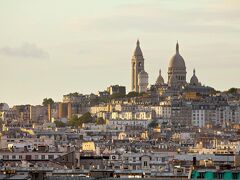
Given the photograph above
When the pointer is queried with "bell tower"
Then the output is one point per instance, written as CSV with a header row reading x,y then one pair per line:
x,y
137,66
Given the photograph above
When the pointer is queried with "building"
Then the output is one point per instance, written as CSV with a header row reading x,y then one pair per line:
x,y
177,82
138,67
160,80
116,89
177,70
23,112
181,113
148,162
142,81
121,123
163,111
4,107
38,114
203,114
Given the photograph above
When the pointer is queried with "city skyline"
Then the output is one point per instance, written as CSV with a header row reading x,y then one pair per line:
x,y
51,52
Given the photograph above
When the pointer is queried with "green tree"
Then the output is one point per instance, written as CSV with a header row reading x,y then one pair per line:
x,y
213,92
100,121
132,94
118,95
103,100
60,124
153,124
74,121
86,118
75,94
232,90
47,101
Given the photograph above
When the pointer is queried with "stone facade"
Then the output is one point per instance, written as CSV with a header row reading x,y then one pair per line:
x,y
137,67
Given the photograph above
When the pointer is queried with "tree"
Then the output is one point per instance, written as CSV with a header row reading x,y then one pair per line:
x,y
75,94
103,100
100,121
213,92
74,121
132,94
118,95
60,124
47,101
153,124
232,90
85,118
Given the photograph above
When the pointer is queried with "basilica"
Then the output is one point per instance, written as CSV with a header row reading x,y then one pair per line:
x,y
176,74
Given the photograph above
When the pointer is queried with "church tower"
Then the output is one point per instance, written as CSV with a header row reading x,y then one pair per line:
x,y
137,66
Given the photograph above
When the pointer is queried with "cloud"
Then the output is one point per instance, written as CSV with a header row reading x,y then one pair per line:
x,y
26,50
166,16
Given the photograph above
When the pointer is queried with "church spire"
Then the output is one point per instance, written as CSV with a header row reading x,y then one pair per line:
x,y
138,51
194,71
177,48
138,43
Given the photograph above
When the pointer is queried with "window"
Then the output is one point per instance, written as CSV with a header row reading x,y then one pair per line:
x,y
43,157
145,163
50,156
5,157
28,157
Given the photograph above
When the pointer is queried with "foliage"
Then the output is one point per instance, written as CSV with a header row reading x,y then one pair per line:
x,y
85,118
73,94
215,92
232,90
60,124
103,100
133,94
153,124
118,95
100,121
73,121
47,101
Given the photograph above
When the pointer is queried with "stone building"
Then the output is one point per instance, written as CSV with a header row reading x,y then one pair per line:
x,y
138,67
142,81
177,70
116,89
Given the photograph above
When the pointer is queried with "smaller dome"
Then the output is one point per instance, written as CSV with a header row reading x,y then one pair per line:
x,y
160,80
4,107
143,74
194,79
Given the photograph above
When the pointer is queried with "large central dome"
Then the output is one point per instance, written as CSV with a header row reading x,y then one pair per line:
x,y
177,61
177,70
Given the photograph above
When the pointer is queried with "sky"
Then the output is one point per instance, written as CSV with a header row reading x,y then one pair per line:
x,y
49,48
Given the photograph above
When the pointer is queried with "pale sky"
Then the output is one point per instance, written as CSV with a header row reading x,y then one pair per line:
x,y
53,47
